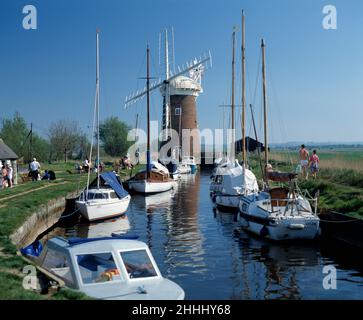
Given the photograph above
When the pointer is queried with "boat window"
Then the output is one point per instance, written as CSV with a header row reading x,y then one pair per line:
x,y
100,196
113,195
138,264
98,268
58,263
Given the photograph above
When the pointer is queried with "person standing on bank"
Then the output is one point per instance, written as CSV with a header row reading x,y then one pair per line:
x,y
304,161
10,170
34,169
4,174
314,164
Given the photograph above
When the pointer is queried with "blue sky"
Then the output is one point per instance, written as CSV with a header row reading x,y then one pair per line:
x,y
315,76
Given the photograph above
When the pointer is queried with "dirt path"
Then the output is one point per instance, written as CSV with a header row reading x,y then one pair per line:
x,y
29,191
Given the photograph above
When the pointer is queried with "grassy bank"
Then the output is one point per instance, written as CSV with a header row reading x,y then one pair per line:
x,y
16,205
339,182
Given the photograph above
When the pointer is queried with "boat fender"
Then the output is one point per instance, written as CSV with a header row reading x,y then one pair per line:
x,y
264,231
296,226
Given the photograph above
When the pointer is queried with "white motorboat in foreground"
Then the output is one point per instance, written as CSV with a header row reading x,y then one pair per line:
x,y
112,268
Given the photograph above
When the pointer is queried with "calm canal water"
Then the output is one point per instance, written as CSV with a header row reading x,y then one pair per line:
x,y
205,252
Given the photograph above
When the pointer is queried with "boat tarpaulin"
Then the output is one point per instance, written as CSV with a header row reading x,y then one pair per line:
x,y
111,179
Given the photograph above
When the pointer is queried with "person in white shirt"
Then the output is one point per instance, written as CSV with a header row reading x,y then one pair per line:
x,y
34,169
10,175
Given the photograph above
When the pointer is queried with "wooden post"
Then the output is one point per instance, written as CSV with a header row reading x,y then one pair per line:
x,y
15,172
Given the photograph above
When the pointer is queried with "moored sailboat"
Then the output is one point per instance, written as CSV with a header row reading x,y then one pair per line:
x,y
155,177
282,212
105,197
235,180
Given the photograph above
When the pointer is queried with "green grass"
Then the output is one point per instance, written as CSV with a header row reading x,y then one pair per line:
x,y
339,182
15,210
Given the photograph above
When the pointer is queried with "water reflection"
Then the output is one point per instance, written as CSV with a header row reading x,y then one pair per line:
x,y
206,252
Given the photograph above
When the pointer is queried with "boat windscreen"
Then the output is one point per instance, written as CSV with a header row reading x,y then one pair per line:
x,y
98,268
138,264
58,264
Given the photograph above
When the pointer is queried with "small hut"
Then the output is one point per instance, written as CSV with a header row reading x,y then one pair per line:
x,y
6,154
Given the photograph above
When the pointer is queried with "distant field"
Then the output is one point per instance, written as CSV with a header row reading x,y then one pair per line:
x,y
329,158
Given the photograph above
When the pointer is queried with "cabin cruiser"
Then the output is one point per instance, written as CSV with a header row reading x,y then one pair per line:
x,y
235,182
111,268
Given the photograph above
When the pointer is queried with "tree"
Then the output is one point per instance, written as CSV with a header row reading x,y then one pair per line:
x,y
13,132
66,139
113,134
25,143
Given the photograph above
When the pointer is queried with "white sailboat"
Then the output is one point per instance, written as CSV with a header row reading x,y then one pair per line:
x,y
278,213
105,197
236,180
155,178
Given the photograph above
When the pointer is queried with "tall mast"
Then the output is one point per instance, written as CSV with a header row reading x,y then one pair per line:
x,y
148,168
264,99
243,92
98,105
232,99
167,72
166,125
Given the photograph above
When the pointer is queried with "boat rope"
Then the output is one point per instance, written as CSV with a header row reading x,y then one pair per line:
x,y
68,215
352,220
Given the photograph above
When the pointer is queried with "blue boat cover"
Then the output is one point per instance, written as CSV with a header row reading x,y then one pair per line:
x,y
111,179
34,249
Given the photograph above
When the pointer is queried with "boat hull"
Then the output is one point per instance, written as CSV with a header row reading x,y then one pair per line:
x,y
227,202
150,187
103,209
286,229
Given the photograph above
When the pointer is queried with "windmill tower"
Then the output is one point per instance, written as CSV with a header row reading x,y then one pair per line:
x,y
179,90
